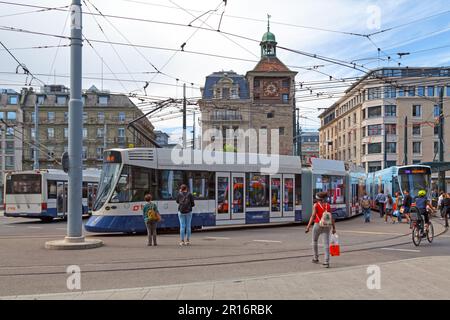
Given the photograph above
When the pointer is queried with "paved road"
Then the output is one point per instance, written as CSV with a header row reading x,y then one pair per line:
x,y
26,267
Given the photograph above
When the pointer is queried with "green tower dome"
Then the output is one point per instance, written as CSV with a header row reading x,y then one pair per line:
x,y
268,43
268,37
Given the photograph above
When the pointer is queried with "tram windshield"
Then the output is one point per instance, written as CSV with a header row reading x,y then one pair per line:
x,y
23,183
109,173
414,180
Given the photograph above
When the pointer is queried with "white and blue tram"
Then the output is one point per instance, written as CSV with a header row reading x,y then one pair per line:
x,y
43,193
234,192
391,180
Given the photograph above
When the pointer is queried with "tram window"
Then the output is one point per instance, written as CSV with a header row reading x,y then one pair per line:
x,y
212,186
140,183
134,183
198,184
298,189
169,183
395,186
51,189
257,190
333,185
289,194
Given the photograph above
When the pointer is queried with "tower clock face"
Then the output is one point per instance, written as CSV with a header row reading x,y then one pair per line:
x,y
270,89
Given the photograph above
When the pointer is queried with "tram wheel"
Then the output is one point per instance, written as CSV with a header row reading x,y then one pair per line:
x,y
416,236
430,233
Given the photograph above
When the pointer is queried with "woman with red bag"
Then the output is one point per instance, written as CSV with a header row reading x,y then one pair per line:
x,y
323,224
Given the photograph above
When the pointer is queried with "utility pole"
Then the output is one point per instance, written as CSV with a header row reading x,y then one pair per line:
x,y
193,133
385,147
442,186
184,115
105,137
405,144
75,238
294,127
4,128
36,136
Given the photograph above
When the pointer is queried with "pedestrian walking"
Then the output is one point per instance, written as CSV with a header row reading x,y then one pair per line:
x,y
407,202
151,218
323,224
365,205
389,208
446,207
380,201
439,204
185,202
398,206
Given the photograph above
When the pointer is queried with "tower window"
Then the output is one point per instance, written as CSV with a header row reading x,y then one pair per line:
x,y
256,83
285,83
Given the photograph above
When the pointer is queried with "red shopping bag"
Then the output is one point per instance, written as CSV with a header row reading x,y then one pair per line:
x,y
335,249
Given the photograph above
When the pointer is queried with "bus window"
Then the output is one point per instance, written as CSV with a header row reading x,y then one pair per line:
x,y
23,184
51,189
85,190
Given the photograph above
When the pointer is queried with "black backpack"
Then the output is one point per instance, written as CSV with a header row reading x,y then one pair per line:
x,y
185,204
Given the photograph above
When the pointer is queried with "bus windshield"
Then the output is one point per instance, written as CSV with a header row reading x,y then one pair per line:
x,y
414,183
24,183
107,179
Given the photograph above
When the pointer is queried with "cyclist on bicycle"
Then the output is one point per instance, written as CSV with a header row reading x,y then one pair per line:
x,y
423,204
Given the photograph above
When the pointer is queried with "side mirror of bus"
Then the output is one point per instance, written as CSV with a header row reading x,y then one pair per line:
x,y
65,162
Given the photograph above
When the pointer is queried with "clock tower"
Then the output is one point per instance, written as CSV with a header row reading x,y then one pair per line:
x,y
272,92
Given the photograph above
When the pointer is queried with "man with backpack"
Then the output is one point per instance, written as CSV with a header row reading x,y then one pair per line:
x,y
365,205
185,202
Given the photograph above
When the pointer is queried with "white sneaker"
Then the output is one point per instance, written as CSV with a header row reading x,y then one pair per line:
x,y
182,243
188,243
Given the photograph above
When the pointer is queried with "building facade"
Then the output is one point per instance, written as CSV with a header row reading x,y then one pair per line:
x,y
11,134
263,100
310,146
368,126
105,120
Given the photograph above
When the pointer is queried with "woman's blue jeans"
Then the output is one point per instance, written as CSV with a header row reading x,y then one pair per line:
x,y
185,225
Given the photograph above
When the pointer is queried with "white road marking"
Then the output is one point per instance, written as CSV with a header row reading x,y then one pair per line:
x,y
217,238
372,232
61,228
405,250
270,241
9,226
34,227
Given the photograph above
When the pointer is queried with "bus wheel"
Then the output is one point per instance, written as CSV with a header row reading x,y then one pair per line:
x,y
46,219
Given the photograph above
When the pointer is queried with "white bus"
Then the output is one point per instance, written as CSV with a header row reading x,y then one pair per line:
x,y
43,193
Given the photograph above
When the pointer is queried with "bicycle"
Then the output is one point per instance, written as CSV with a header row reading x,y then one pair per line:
x,y
418,231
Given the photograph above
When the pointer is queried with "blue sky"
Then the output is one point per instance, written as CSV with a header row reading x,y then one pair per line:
x,y
246,18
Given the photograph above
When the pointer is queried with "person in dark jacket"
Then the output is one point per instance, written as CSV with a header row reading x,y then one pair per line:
x,y
185,202
446,207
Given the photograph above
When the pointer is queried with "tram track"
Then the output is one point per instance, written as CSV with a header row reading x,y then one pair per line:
x,y
210,264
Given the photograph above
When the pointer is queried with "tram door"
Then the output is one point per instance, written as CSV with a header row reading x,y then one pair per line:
x,y
61,198
288,195
223,196
238,196
275,196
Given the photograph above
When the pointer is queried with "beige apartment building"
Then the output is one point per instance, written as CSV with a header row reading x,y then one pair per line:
x,y
367,127
105,120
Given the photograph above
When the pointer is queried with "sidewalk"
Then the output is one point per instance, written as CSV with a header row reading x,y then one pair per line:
x,y
399,280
